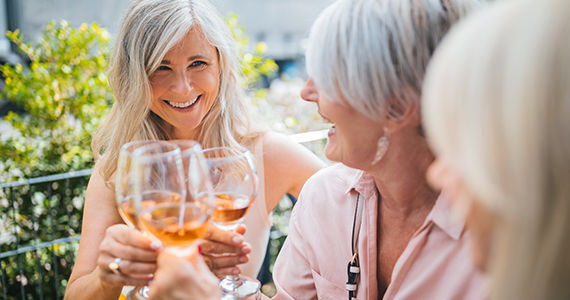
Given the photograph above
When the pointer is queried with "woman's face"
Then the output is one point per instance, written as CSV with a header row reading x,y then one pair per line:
x,y
479,220
186,83
353,138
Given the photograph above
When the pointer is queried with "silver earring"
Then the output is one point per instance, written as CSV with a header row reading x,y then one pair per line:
x,y
381,147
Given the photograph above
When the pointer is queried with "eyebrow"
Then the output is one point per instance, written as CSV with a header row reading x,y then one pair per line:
x,y
167,62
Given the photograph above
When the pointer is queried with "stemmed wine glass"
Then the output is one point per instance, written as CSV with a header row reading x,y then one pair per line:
x,y
166,204
124,190
234,183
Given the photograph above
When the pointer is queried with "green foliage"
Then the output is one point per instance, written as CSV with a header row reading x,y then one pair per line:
x,y
64,93
253,64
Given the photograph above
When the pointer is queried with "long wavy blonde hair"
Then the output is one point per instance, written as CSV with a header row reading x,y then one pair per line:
x,y
148,31
500,114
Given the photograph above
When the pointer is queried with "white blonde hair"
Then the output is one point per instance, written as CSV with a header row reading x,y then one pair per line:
x,y
500,114
373,53
148,31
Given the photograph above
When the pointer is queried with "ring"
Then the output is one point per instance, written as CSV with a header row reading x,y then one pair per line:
x,y
114,265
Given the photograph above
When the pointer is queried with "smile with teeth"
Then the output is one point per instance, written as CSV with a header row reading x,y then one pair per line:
x,y
332,130
183,104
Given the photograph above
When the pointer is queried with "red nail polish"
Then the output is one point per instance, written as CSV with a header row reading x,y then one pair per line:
x,y
200,249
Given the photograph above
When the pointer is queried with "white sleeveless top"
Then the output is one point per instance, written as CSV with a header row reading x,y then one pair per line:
x,y
257,220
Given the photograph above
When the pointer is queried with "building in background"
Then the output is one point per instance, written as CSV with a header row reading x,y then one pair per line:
x,y
282,24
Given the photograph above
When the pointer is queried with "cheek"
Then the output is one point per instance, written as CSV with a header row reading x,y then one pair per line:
x,y
208,81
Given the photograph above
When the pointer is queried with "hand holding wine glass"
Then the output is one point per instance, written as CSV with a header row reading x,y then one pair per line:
x,y
124,195
234,183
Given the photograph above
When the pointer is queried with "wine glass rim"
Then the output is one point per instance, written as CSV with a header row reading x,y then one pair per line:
x,y
140,151
192,146
136,144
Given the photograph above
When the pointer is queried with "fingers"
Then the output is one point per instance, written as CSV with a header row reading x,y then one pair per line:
x,y
126,257
224,265
132,237
223,237
178,278
241,229
214,248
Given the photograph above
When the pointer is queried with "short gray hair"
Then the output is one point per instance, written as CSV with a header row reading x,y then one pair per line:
x,y
373,53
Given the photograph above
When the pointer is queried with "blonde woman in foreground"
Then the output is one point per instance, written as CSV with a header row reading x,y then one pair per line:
x,y
498,118
175,75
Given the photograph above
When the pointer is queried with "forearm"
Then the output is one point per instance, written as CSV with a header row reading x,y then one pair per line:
x,y
90,286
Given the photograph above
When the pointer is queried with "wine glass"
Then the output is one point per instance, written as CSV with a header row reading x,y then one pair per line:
x,y
124,191
124,184
234,183
166,204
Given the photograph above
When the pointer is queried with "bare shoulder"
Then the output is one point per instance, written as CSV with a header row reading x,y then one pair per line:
x,y
279,149
288,162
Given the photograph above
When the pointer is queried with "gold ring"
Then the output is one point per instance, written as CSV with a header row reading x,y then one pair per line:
x,y
114,266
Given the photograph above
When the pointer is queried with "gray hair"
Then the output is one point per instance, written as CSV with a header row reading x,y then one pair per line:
x,y
148,31
373,54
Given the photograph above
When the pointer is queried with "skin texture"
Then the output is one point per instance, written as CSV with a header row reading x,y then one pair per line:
x,y
190,69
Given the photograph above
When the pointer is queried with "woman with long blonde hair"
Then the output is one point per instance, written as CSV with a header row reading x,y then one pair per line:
x,y
498,118
174,73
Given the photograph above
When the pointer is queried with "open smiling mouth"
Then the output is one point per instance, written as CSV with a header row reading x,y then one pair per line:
x,y
182,105
332,129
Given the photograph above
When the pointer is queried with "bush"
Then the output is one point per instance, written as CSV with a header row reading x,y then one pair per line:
x,y
64,94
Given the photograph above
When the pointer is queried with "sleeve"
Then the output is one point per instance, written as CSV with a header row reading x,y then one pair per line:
x,y
292,273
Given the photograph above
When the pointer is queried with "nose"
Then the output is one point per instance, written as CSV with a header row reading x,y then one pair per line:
x,y
309,91
181,84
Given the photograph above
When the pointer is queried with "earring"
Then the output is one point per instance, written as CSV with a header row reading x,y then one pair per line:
x,y
381,147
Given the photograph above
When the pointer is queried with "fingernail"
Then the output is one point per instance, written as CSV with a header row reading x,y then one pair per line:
x,y
155,245
245,250
235,271
238,239
200,249
242,259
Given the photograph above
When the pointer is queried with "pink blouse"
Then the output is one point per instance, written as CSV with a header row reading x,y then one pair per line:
x,y
436,263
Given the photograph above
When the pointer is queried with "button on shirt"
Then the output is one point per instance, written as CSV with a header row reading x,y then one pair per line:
x,y
436,263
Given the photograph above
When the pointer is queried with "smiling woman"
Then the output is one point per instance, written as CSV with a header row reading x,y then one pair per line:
x,y
175,75
186,83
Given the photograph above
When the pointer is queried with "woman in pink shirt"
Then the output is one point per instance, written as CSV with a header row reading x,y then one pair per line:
x,y
501,131
370,227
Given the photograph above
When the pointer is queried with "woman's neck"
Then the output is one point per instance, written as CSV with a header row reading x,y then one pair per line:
x,y
401,176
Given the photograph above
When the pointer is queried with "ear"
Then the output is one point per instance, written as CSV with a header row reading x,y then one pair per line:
x,y
402,113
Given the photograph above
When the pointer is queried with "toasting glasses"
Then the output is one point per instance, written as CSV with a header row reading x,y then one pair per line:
x,y
234,183
166,180
124,193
